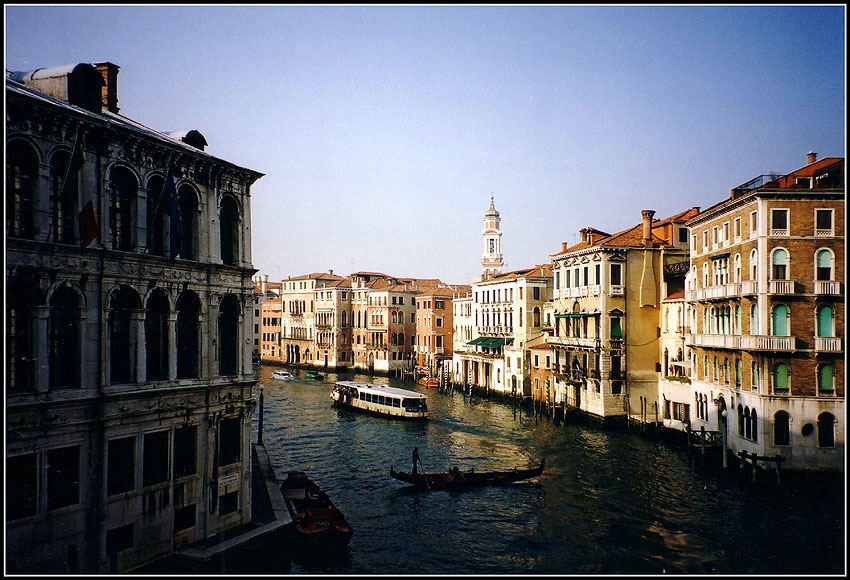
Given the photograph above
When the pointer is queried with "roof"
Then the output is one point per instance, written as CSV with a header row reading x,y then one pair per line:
x,y
383,389
114,120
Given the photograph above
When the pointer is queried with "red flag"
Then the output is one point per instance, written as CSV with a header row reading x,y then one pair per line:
x,y
88,224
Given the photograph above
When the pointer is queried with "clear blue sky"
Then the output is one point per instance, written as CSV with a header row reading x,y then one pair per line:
x,y
384,130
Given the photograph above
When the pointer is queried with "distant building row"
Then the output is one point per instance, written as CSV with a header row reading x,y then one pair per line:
x,y
730,318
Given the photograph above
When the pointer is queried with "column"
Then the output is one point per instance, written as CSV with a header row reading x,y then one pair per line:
x,y
138,318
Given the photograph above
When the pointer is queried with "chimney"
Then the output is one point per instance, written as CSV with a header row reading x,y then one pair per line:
x,y
331,272
647,226
265,283
109,91
563,246
812,157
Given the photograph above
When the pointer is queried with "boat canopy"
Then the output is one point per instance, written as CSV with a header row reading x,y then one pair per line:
x,y
382,389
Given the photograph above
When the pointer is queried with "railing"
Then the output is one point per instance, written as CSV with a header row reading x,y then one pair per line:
x,y
746,342
439,349
824,233
576,341
617,290
830,288
779,232
749,287
781,287
827,344
595,290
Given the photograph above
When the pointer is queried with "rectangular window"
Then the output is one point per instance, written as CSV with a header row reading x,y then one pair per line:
x,y
584,281
779,222
823,222
616,274
439,322
737,228
184,518
754,223
120,465
536,362
185,445
228,503
705,247
683,235
694,248
230,441
715,235
597,272
566,278
155,458
536,293
439,305
726,236
63,477
21,486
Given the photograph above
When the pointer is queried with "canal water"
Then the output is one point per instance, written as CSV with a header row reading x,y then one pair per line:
x,y
608,502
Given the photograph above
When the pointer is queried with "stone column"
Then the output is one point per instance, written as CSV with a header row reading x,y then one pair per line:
x,y
41,342
172,346
138,318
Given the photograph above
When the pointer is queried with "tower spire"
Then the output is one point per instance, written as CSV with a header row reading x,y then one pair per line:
x,y
491,260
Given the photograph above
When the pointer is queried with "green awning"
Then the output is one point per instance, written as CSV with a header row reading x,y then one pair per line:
x,y
477,341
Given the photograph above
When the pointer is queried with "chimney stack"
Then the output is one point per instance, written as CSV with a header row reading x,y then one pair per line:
x,y
647,226
563,246
265,283
109,92
812,157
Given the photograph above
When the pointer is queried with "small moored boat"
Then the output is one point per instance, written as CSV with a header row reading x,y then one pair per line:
x,y
429,382
380,400
457,479
282,375
313,375
320,527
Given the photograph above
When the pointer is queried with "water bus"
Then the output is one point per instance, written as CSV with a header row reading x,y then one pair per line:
x,y
380,399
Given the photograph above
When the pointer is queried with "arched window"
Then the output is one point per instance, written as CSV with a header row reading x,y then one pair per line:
x,y
64,339
754,376
666,367
401,339
63,199
395,317
754,265
826,430
21,180
344,319
781,428
22,298
780,378
754,319
754,422
156,337
826,382
738,373
716,376
122,335
780,320
187,202
737,329
823,265
737,268
536,317
727,371
779,263
748,426
228,335
825,321
741,420
705,275
229,226
188,346
124,191
156,216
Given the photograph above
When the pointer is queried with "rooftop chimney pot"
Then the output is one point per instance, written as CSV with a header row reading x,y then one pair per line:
x,y
812,157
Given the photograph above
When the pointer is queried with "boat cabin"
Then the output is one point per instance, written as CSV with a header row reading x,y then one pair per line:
x,y
381,399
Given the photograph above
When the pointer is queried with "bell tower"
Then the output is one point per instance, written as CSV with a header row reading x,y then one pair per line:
x,y
491,260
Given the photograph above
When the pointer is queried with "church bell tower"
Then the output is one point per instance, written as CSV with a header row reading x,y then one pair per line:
x,y
491,260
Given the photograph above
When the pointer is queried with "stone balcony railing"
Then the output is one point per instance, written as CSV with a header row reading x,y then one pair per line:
x,y
783,287
745,341
827,288
828,344
574,341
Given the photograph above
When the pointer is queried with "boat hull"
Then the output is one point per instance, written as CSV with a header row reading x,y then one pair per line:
x,y
465,479
319,527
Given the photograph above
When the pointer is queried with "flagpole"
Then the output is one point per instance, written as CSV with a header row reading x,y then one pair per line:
x,y
159,202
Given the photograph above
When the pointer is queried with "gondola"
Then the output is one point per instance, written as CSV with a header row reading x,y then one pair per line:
x,y
456,479
320,527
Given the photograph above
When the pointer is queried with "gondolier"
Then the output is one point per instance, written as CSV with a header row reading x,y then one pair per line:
x,y
415,458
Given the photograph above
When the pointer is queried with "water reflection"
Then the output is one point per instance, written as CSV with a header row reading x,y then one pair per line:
x,y
609,502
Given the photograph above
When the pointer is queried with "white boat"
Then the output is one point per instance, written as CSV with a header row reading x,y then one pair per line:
x,y
282,375
380,399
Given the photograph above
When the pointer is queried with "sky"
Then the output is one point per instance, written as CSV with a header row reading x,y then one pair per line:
x,y
384,131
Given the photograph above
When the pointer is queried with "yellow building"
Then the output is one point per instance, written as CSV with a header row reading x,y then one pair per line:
x,y
607,295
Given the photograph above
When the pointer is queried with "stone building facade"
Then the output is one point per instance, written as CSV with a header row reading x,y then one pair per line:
x,y
766,290
129,380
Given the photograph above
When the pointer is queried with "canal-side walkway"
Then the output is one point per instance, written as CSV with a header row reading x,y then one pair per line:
x,y
257,543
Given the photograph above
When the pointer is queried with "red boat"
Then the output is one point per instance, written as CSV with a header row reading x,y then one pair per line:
x,y
320,527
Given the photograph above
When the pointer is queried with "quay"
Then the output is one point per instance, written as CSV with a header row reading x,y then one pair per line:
x,y
258,547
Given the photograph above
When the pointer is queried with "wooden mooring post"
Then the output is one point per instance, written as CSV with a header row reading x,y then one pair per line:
x,y
752,460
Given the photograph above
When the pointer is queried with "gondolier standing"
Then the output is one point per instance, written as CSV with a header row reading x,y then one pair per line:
x,y
415,458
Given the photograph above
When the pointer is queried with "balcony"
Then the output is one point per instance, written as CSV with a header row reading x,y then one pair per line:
x,y
617,290
745,342
828,288
574,341
827,344
781,287
749,287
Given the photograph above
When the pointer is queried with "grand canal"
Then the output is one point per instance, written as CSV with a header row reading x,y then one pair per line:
x,y
609,501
